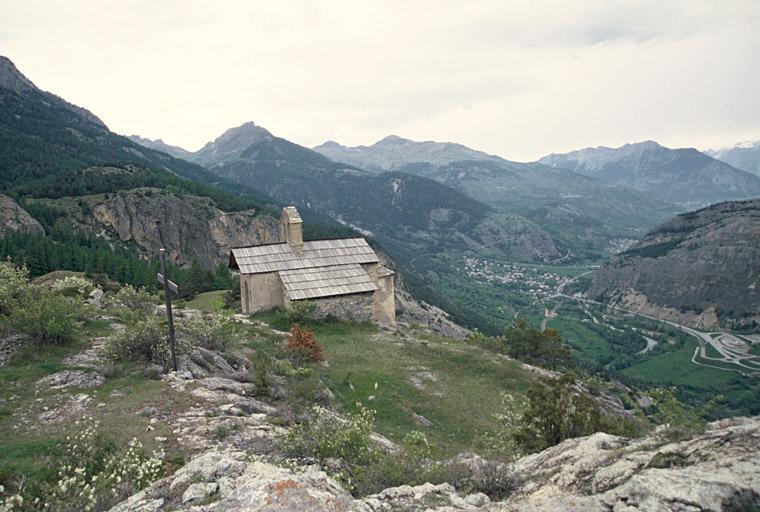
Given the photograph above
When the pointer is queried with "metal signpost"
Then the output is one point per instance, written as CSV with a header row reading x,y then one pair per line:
x,y
163,278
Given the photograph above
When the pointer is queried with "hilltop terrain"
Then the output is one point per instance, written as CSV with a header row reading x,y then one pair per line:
x,y
702,267
229,429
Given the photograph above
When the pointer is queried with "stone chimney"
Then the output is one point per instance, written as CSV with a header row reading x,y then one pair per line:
x,y
291,228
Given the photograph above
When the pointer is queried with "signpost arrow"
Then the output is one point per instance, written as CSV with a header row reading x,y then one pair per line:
x,y
163,278
172,285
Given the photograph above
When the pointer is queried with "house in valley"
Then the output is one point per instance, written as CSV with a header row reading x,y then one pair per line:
x,y
343,278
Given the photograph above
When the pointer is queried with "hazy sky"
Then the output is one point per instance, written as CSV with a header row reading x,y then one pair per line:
x,y
519,79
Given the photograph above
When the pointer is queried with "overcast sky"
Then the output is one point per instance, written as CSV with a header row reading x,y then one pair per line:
x,y
518,79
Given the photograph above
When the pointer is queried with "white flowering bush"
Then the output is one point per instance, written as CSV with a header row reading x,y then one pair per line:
x,y
144,341
74,286
92,475
325,435
131,304
214,332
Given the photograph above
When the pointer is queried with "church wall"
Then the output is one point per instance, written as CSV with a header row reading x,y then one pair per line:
x,y
260,292
355,307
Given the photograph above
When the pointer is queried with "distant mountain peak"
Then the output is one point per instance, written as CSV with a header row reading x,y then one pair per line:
x,y
683,176
246,130
13,79
743,155
329,145
160,145
646,144
394,152
392,139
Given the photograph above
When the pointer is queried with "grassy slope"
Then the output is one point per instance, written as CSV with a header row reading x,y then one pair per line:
x,y
460,399
207,301
26,441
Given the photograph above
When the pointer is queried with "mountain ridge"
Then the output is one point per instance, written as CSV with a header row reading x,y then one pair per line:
x,y
744,155
683,176
392,152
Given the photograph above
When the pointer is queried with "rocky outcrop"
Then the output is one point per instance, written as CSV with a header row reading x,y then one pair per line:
x,y
698,268
14,219
717,470
229,480
190,227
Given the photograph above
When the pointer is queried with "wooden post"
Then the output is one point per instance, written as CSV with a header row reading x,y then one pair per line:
x,y
169,316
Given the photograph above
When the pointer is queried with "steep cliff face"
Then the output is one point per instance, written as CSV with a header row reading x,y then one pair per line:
x,y
13,218
190,227
702,265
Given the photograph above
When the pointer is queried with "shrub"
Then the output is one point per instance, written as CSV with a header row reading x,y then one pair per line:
x,y
524,342
142,341
494,480
300,312
73,286
683,420
304,390
14,283
92,474
324,435
302,345
215,332
285,368
130,303
48,318
556,410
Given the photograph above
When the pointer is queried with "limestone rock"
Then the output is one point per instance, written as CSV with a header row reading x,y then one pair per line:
x,y
13,218
192,228
199,491
242,485
72,379
9,345
442,497
601,472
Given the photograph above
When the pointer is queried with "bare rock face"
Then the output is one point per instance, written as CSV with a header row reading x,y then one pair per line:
x,y
230,481
78,379
717,470
702,260
13,218
191,227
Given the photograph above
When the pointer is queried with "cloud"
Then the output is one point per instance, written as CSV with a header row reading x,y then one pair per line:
x,y
515,78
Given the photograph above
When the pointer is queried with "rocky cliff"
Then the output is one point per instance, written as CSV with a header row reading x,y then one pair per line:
x,y
699,267
190,227
13,218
